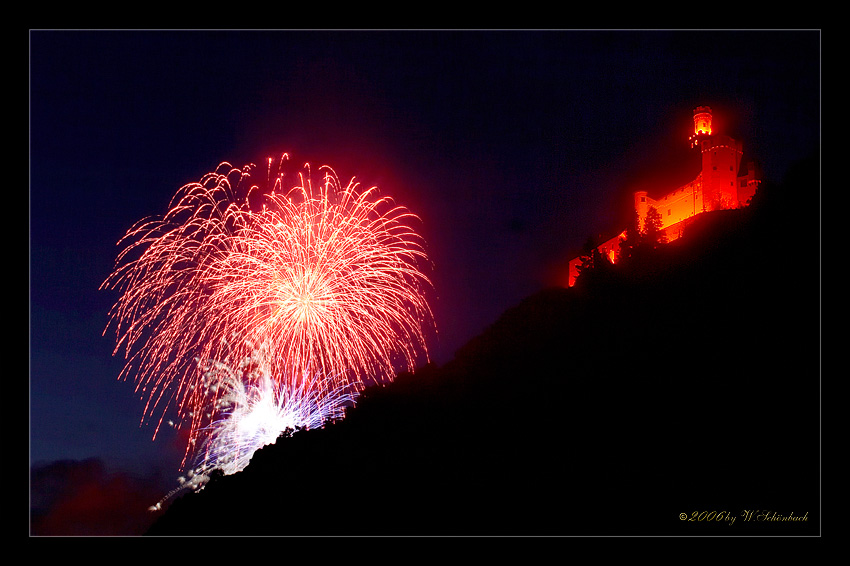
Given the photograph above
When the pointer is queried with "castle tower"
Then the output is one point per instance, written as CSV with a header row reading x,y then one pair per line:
x,y
702,125
721,161
702,120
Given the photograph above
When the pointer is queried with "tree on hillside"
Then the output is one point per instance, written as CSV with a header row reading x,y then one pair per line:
x,y
652,232
592,260
631,241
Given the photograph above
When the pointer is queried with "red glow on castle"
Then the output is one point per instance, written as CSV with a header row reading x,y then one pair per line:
x,y
722,184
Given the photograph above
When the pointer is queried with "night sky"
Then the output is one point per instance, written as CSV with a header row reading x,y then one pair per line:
x,y
512,147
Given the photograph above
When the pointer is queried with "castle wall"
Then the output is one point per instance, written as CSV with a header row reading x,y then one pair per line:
x,y
677,230
609,249
717,187
747,185
679,205
575,263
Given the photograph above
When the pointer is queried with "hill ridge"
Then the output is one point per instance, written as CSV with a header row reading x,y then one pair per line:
x,y
558,419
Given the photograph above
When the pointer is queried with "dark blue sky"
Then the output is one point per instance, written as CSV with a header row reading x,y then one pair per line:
x,y
513,148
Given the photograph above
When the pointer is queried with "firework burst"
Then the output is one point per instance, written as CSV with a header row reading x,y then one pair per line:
x,y
325,279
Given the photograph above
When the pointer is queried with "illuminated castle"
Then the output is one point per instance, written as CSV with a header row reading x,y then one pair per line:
x,y
720,185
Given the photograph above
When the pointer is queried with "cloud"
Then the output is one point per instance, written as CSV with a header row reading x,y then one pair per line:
x,y
84,498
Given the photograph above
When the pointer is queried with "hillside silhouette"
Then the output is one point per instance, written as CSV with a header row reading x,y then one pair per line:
x,y
686,381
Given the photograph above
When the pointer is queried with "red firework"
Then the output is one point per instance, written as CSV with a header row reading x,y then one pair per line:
x,y
325,281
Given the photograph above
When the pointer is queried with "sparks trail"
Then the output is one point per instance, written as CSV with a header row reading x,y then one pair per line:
x,y
253,411
326,280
